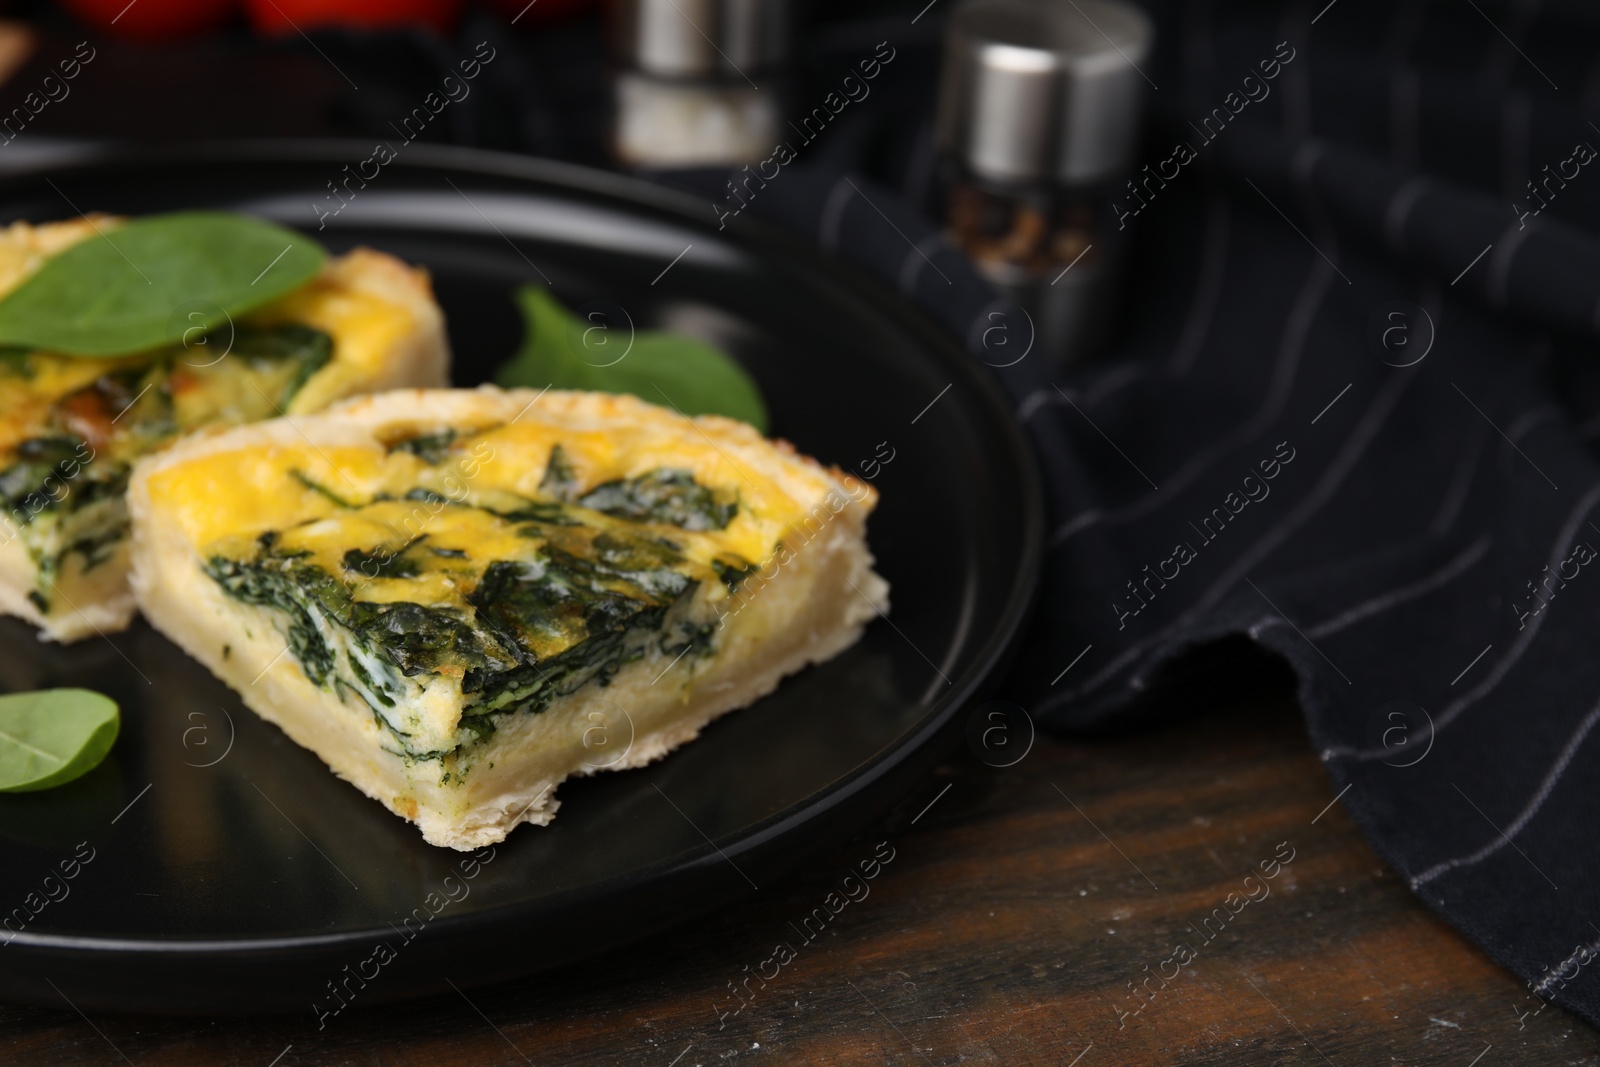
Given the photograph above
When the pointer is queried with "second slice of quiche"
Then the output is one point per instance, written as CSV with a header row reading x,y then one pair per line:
x,y
71,428
458,598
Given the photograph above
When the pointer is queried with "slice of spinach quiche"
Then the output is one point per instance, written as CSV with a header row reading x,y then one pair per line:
x,y
458,598
72,427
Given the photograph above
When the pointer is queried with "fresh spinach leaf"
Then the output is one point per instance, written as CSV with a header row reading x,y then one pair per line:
x,y
52,736
560,349
152,281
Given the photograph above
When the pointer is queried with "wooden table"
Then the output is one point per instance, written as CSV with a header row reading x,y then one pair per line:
x,y
1017,913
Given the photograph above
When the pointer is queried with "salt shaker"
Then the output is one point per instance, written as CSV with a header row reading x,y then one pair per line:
x,y
700,82
1039,112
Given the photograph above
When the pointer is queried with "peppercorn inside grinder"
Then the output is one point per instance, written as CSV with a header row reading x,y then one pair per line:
x,y
1039,111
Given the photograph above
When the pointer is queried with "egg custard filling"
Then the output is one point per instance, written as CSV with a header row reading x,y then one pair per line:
x,y
71,427
458,598
413,602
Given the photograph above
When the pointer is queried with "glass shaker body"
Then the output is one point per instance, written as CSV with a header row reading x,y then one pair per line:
x,y
677,122
1052,249
698,83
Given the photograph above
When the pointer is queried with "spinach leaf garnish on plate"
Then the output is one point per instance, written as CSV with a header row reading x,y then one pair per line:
x,y
562,350
50,737
153,281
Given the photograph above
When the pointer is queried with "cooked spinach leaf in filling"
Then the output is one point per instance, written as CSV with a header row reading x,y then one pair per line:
x,y
665,495
431,448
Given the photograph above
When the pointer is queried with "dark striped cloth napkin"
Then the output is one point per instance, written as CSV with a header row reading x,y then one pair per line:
x,y
1348,416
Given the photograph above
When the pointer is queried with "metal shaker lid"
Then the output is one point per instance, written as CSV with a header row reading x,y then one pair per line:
x,y
702,38
1043,90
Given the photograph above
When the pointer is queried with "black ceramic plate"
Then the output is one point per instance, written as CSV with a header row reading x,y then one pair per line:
x,y
231,871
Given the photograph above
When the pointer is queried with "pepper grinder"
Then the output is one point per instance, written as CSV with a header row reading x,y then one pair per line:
x,y
1038,116
700,82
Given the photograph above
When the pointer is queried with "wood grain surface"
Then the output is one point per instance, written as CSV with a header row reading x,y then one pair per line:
x,y
1017,912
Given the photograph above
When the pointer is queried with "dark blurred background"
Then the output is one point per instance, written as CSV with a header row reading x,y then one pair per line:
x,y
203,69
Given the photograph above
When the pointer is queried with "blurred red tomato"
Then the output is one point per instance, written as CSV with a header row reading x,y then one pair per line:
x,y
291,16
152,20
540,10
